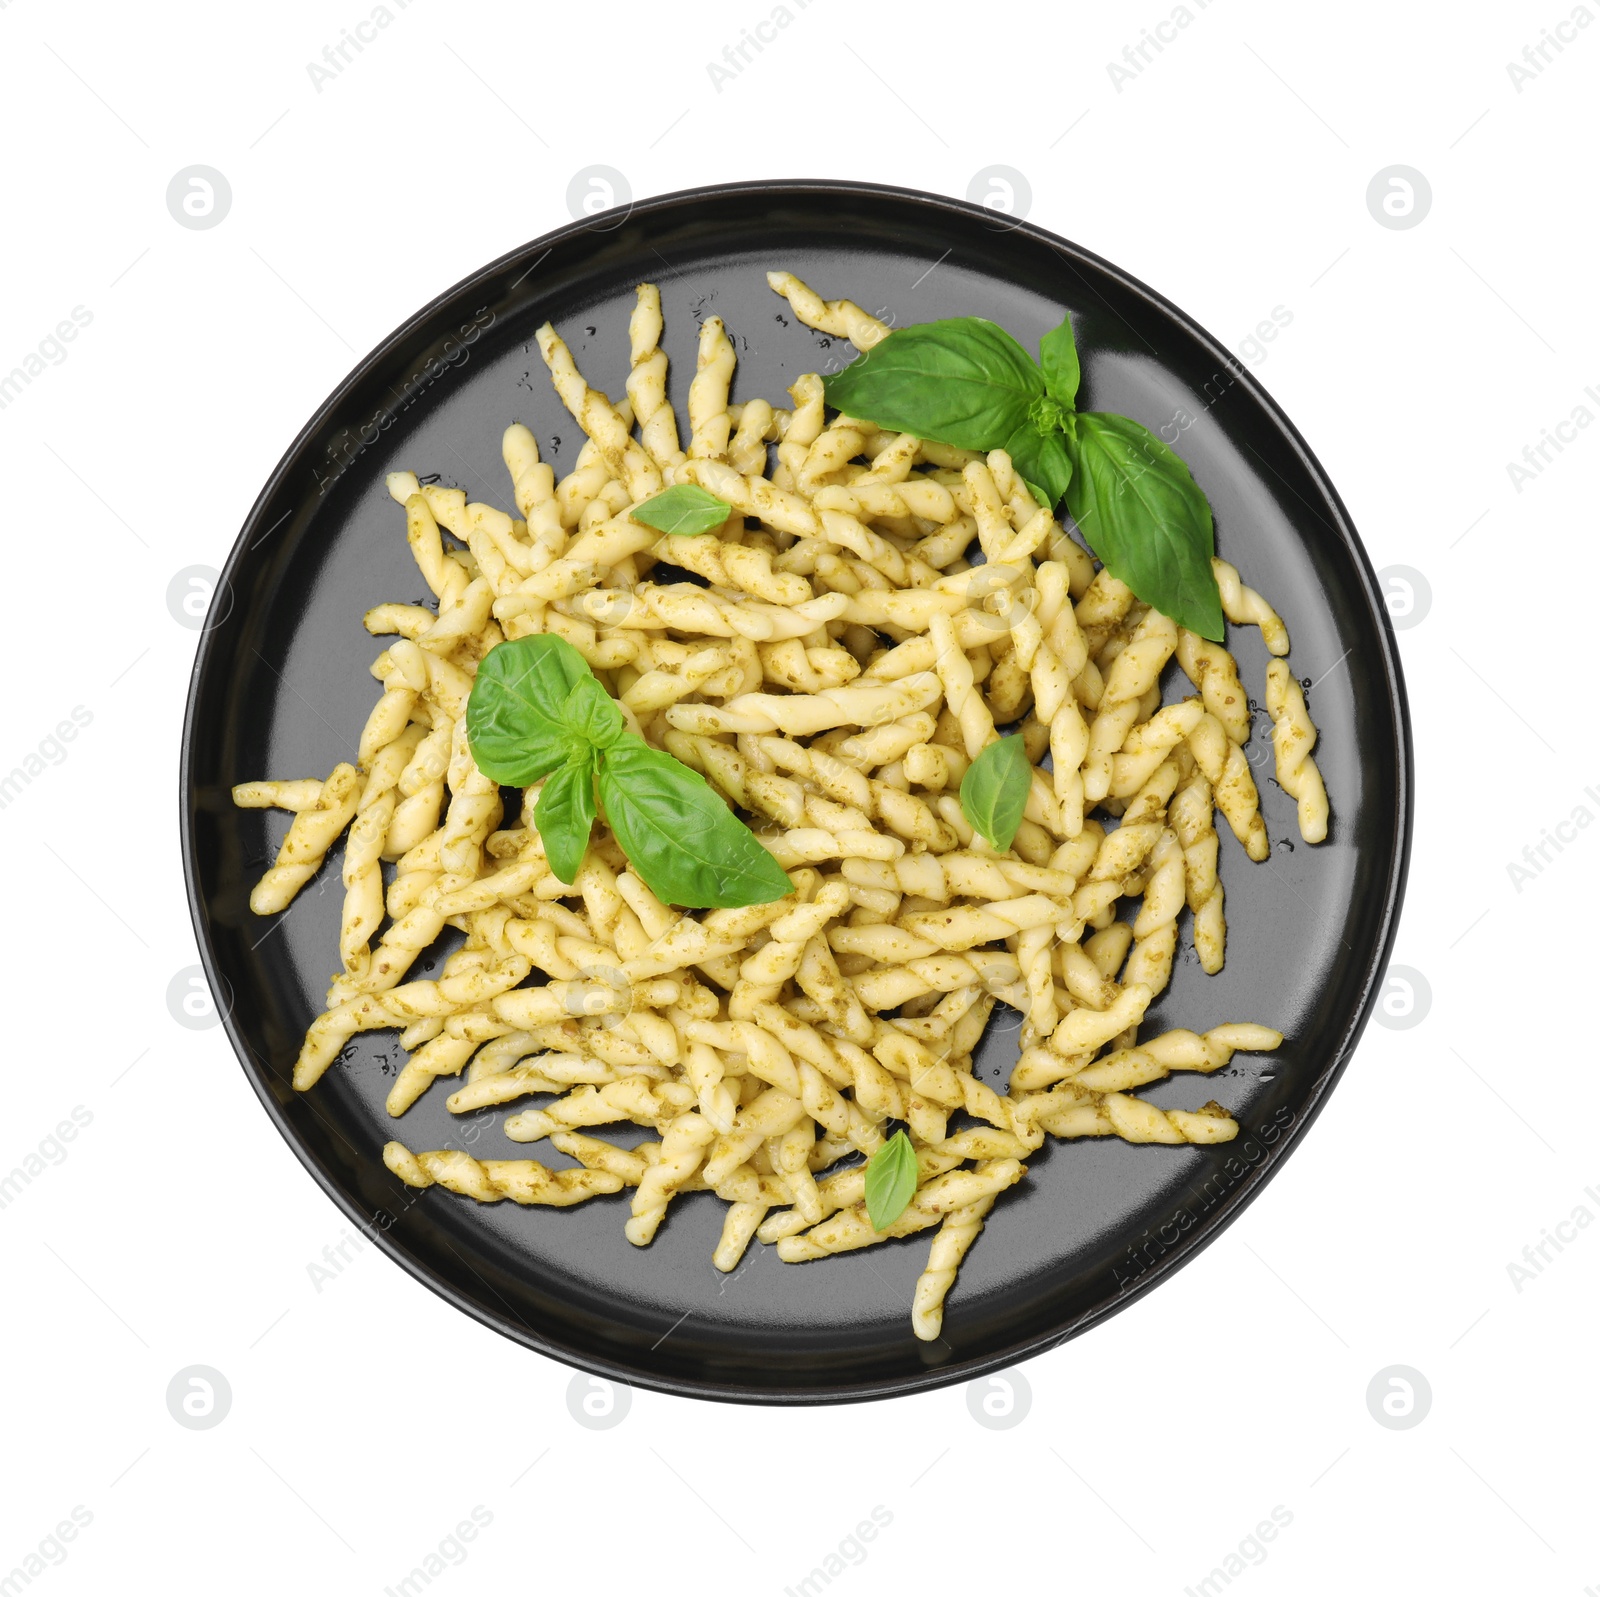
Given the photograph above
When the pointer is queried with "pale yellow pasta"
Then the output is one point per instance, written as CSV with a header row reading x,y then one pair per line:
x,y
708,393
607,431
876,610
311,834
1191,819
647,381
958,1232
1245,607
1293,738
841,318
299,793
491,1180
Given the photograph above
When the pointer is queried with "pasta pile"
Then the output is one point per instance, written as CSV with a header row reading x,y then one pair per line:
x,y
843,657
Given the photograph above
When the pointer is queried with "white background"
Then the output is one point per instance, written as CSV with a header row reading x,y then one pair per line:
x,y
368,1418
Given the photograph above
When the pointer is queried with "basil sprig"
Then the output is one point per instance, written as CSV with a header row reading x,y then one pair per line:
x,y
1147,520
891,1181
537,710
684,510
965,382
685,843
994,792
968,383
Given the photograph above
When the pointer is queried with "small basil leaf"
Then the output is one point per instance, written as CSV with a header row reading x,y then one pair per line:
x,y
994,792
514,721
1058,360
564,814
688,847
1145,517
685,510
891,1181
590,713
1043,460
964,382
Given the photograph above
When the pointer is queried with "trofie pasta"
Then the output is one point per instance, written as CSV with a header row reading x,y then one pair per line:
x,y
834,659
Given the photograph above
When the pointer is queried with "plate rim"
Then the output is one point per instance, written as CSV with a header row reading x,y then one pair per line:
x,y
1248,1187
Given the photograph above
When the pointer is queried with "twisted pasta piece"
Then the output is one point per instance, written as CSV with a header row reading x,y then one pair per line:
x,y
1033,957
835,446
689,609
624,458
1133,674
755,422
956,676
683,1146
491,1180
647,380
1245,607
421,789
405,678
958,1232
628,1165
362,912
802,714
1084,1030
1156,929
1216,675
533,488
1293,739
549,1072
870,497
311,835
738,1227
1233,787
1158,1057
708,393
839,318
1190,813
1149,744
299,793
1049,645
329,1032
635,1098
733,565
1069,1113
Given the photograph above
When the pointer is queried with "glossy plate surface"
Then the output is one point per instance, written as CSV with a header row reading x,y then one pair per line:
x,y
282,688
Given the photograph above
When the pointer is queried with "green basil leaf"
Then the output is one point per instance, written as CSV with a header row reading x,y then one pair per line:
x,y
1145,517
684,510
514,714
590,713
994,792
891,1181
964,382
1042,459
688,847
1058,360
564,815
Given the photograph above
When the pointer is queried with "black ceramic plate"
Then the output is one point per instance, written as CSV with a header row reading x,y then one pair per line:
x,y
281,688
